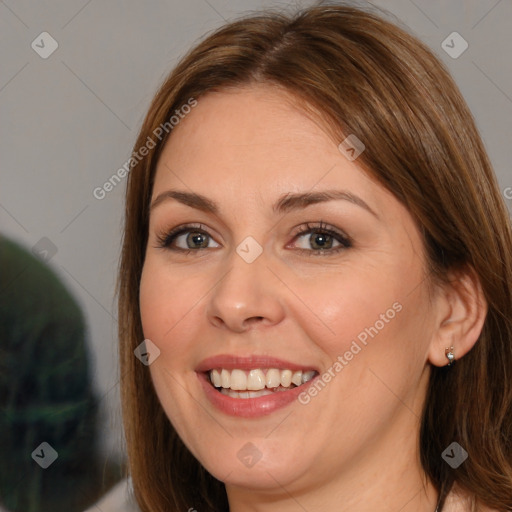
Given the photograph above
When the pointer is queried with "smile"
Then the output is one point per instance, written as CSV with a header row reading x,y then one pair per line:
x,y
254,385
244,384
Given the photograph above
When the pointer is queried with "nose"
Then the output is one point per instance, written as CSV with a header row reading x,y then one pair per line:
x,y
247,297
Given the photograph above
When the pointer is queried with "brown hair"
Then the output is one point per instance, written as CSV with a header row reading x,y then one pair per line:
x,y
364,76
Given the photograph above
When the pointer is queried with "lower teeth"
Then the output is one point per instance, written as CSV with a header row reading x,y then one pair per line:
x,y
253,394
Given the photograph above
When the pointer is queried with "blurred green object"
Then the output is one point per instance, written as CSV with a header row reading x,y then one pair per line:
x,y
45,389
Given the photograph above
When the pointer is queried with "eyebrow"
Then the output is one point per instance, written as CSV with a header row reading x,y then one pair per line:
x,y
285,203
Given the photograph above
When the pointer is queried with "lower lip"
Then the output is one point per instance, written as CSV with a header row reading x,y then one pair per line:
x,y
250,407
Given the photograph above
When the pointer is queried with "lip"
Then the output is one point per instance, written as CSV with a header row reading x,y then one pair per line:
x,y
231,362
250,407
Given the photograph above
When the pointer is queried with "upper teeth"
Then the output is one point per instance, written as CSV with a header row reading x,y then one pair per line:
x,y
255,380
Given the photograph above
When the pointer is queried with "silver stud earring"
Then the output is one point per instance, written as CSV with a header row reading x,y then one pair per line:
x,y
450,356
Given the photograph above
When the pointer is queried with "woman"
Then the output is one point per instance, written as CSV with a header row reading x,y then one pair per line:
x,y
318,258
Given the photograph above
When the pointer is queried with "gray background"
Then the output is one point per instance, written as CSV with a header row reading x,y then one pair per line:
x,y
69,122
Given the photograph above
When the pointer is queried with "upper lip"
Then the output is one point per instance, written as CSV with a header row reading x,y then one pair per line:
x,y
231,362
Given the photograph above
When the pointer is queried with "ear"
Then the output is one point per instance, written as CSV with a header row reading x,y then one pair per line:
x,y
461,309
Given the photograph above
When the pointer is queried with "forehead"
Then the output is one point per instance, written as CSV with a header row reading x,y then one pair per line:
x,y
255,143
248,125
255,132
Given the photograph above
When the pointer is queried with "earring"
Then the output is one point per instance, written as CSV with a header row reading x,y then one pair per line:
x,y
449,354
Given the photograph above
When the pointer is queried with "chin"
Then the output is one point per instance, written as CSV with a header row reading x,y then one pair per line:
x,y
255,465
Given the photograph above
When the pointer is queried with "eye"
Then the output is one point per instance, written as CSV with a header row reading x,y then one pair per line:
x,y
186,238
322,240
316,240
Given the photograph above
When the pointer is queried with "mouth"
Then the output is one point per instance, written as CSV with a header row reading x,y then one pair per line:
x,y
254,383
253,386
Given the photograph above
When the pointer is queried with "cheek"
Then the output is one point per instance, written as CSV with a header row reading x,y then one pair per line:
x,y
154,301
337,312
166,303
167,315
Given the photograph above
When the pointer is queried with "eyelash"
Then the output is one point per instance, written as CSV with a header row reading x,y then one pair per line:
x,y
165,239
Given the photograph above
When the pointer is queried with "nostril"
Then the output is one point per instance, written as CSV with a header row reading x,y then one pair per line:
x,y
254,319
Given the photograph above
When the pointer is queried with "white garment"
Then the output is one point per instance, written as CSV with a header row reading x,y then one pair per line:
x,y
118,499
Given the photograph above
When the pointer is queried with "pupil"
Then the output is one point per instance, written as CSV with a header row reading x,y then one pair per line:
x,y
198,239
321,240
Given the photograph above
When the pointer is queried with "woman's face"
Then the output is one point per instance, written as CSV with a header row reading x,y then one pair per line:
x,y
287,258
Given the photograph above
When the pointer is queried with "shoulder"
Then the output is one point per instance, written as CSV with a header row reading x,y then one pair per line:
x,y
461,501
118,499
